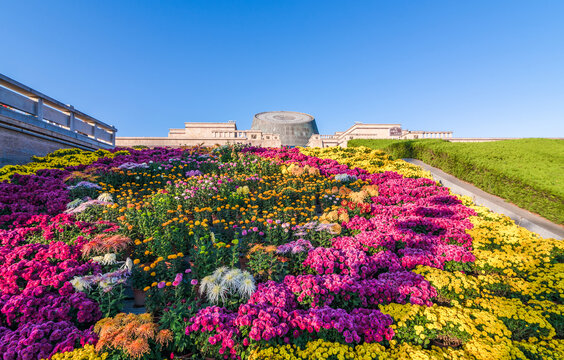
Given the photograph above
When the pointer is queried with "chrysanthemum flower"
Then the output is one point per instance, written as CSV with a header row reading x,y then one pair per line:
x,y
137,348
216,292
247,286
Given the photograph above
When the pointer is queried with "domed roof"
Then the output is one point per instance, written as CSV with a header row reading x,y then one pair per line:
x,y
284,117
294,128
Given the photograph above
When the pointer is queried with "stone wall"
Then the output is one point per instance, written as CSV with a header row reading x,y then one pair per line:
x,y
18,148
20,140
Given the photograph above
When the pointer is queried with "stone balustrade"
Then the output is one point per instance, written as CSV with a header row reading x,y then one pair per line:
x,y
25,104
34,124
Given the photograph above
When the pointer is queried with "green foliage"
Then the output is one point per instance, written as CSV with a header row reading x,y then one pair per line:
x,y
522,330
265,264
176,319
527,172
109,299
418,332
139,277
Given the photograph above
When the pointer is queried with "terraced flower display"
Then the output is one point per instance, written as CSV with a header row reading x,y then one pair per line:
x,y
253,253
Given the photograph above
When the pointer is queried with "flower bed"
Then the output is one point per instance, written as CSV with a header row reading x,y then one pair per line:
x,y
259,253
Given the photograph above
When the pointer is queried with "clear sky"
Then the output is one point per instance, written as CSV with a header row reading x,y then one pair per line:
x,y
478,68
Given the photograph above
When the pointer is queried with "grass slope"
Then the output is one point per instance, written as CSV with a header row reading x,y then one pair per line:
x,y
527,172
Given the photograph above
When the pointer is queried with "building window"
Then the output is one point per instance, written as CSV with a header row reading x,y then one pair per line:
x,y
253,137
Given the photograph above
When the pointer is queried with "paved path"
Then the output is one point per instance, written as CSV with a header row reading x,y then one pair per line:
x,y
524,218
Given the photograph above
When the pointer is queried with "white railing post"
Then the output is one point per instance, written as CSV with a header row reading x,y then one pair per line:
x,y
39,109
71,119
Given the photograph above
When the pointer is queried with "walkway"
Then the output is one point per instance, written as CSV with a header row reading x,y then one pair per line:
x,y
524,218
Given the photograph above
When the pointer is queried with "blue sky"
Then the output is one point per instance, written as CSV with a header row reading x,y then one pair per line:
x,y
478,68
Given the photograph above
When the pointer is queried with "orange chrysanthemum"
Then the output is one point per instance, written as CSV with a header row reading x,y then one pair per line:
x,y
137,348
147,330
164,337
102,243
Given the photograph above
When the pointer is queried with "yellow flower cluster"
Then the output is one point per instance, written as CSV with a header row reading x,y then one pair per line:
x,y
548,308
451,285
373,161
476,323
489,337
58,159
296,170
320,350
88,352
505,247
514,309
551,349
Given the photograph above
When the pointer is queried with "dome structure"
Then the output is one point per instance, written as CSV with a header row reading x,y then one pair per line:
x,y
294,128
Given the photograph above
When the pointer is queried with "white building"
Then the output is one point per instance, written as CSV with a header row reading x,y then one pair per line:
x,y
373,131
209,134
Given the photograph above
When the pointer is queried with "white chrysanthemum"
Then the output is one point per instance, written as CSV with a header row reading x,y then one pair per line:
x,y
232,278
129,264
216,292
218,273
206,283
105,283
107,197
247,286
109,259
79,283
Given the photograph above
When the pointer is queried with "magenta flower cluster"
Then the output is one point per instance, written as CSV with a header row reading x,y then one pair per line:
x,y
28,195
40,313
344,291
37,267
40,341
273,313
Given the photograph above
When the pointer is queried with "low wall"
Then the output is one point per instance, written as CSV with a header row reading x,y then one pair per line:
x,y
20,141
18,148
178,142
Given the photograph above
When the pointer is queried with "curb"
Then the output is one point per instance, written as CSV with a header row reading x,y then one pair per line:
x,y
524,218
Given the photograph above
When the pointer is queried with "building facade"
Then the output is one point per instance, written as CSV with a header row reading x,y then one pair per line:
x,y
276,129
205,134
374,131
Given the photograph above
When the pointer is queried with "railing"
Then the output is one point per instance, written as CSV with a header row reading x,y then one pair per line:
x,y
436,135
243,135
365,136
229,134
27,101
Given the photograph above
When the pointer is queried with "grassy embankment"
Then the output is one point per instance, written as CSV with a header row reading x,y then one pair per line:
x,y
526,172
